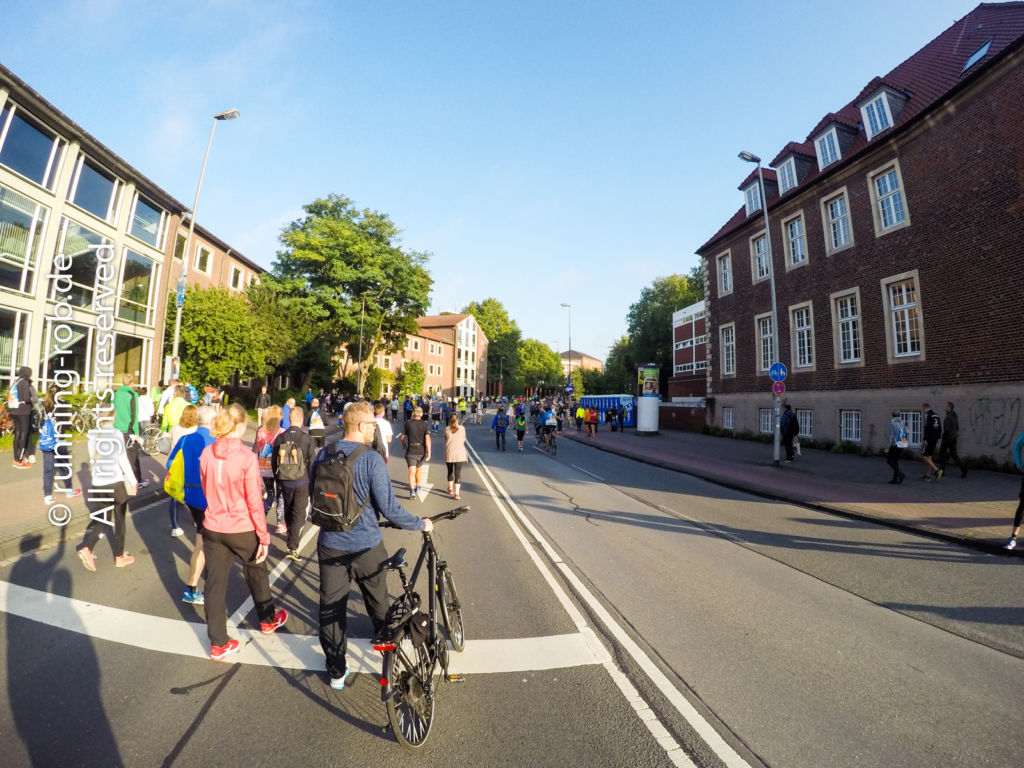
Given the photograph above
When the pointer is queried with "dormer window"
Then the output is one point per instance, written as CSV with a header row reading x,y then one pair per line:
x,y
827,146
876,115
787,176
753,193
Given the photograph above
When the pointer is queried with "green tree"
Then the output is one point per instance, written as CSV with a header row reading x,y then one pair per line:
x,y
220,335
579,390
503,338
650,318
343,270
410,379
539,366
619,375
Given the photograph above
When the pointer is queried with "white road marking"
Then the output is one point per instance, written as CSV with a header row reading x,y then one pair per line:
x,y
248,604
700,725
585,472
283,650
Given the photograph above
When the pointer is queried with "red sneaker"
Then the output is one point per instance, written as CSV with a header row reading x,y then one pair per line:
x,y
85,555
218,652
279,618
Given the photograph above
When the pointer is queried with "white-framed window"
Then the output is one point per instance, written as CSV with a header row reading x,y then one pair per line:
x,y
765,421
147,222
440,370
385,362
728,417
724,274
765,341
95,190
28,148
827,146
236,278
904,332
846,310
795,237
727,334
684,368
805,418
837,220
759,257
139,279
913,422
430,369
753,196
180,241
415,345
700,365
204,259
787,176
890,211
849,426
700,339
801,320
22,229
876,115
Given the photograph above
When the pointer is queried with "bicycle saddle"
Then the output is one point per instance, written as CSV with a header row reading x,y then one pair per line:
x,y
397,560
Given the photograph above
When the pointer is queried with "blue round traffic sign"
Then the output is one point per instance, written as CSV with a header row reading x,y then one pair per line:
x,y
777,372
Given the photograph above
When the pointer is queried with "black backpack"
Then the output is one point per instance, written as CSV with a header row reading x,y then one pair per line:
x,y
502,421
291,461
334,506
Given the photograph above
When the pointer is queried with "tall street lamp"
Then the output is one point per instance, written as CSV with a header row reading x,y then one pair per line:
x,y
569,307
752,158
229,114
501,371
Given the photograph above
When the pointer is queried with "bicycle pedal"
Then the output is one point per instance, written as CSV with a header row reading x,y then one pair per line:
x,y
455,679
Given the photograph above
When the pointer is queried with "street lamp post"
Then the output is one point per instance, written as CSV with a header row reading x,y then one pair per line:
x,y
359,367
501,372
569,307
228,114
777,434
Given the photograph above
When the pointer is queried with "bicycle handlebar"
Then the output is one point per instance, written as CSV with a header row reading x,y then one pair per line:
x,y
451,514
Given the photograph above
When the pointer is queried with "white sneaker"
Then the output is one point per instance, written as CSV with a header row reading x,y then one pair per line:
x,y
177,532
32,459
47,499
1011,544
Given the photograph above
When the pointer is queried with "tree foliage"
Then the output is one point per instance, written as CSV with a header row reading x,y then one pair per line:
x,y
342,274
409,382
539,366
649,321
220,335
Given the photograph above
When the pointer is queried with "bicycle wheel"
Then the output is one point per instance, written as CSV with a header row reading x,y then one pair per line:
x,y
451,609
408,694
78,423
150,438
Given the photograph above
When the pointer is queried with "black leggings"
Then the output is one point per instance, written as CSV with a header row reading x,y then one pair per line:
x,y
22,435
1019,514
455,472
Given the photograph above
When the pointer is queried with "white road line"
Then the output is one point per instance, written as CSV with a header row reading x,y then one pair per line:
x,y
702,727
585,472
283,650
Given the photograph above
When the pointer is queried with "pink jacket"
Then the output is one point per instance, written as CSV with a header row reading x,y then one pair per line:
x,y
230,475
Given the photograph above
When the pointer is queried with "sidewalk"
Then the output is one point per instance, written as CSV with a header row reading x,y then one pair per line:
x,y
977,510
23,513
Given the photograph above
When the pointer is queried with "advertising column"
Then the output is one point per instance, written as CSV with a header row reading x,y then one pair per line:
x,y
649,401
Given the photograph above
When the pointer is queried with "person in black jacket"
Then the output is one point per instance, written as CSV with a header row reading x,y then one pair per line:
x,y
947,446
294,490
21,415
789,428
262,403
931,432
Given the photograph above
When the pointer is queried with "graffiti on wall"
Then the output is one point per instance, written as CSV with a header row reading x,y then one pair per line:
x,y
996,421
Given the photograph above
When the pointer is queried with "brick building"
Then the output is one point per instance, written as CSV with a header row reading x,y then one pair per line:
x,y
689,353
895,232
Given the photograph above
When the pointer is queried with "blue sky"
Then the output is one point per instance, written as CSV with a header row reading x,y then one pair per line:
x,y
543,152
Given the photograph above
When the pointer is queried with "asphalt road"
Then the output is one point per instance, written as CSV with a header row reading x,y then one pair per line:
x,y
749,632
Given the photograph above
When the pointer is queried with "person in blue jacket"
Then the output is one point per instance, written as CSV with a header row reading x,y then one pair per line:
x,y
1018,516
192,447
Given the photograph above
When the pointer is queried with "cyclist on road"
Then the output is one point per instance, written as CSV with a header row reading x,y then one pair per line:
x,y
549,423
357,553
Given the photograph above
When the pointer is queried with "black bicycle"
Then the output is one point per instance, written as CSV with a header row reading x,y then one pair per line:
x,y
415,654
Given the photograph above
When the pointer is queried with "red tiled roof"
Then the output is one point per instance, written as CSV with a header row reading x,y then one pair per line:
x,y
806,149
927,77
426,333
769,175
440,321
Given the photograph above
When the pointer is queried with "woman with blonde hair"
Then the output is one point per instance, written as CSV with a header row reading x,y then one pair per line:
x,y
234,526
187,424
455,454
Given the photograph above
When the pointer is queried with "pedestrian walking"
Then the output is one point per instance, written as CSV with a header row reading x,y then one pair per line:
x,y
1018,515
394,409
21,402
789,428
262,403
580,416
947,445
436,408
147,409
191,447
291,461
113,483
48,443
165,399
263,447
234,526
384,434
416,444
188,422
455,454
357,554
499,425
520,427
126,421
316,423
172,411
931,432
897,442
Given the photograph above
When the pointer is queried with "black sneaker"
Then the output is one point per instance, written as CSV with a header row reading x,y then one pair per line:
x,y
294,556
